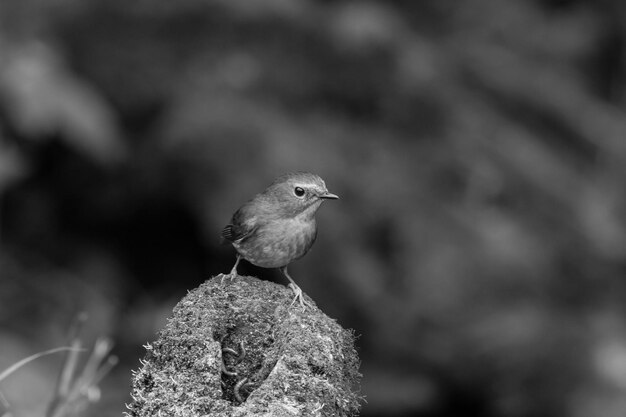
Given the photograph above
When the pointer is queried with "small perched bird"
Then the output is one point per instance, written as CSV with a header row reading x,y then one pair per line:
x,y
278,225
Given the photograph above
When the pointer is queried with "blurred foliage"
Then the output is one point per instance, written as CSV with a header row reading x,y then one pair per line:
x,y
479,149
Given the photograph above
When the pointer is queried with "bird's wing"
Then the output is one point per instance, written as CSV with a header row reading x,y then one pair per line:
x,y
241,226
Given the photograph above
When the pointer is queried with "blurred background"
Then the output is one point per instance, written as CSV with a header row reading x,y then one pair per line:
x,y
479,149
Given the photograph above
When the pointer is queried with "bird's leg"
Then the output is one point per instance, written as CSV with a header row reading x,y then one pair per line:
x,y
233,272
297,291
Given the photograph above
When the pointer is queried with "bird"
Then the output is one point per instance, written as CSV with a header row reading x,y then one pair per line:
x,y
277,226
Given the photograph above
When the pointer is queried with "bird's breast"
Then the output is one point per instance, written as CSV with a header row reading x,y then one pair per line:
x,y
278,242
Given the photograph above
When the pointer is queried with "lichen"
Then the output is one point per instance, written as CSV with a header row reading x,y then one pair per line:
x,y
240,348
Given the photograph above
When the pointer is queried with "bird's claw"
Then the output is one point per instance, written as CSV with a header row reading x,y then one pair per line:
x,y
299,297
230,276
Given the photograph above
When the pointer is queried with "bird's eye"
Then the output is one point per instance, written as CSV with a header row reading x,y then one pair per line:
x,y
299,192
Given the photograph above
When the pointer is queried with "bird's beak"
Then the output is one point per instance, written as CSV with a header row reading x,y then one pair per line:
x,y
329,196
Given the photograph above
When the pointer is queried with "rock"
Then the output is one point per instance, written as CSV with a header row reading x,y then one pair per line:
x,y
239,348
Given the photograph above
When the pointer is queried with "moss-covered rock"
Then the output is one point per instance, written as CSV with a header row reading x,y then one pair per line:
x,y
239,348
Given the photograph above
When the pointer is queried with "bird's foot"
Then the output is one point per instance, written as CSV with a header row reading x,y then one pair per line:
x,y
229,276
233,272
299,297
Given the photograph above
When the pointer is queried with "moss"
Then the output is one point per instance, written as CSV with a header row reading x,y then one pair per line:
x,y
278,359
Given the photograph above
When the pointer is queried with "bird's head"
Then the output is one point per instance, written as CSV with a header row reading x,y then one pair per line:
x,y
297,193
